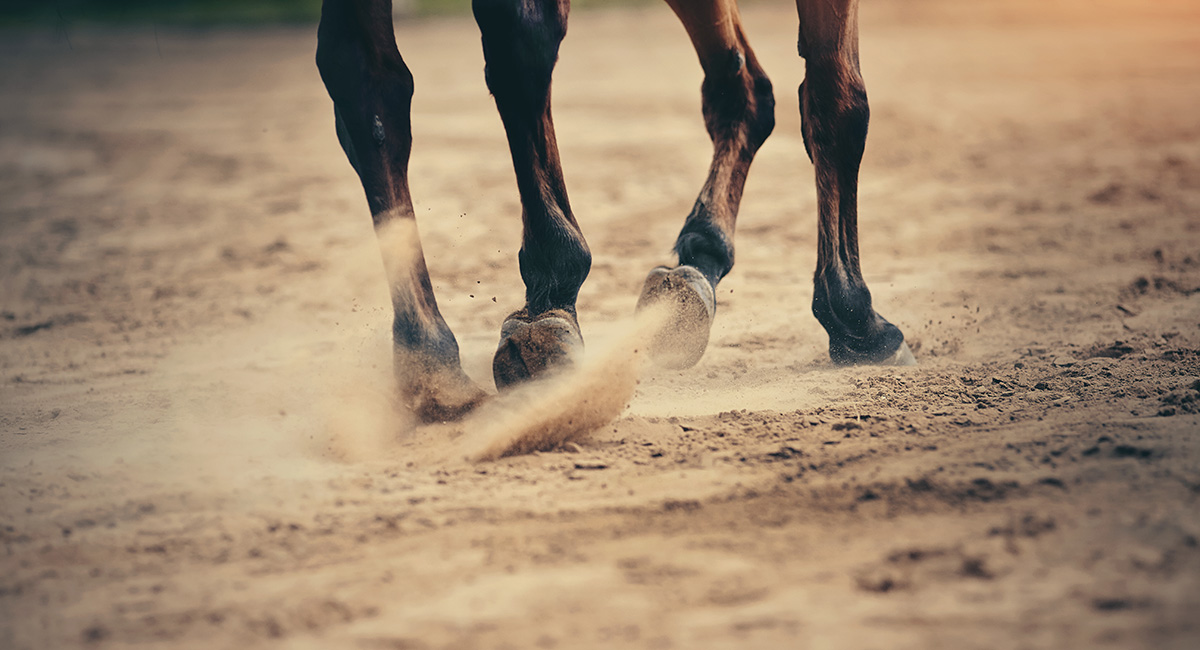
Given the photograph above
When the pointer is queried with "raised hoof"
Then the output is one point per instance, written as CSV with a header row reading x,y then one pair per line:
x,y
532,346
689,304
437,394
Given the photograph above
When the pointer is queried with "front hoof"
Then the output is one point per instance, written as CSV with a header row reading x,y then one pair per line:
x,y
885,347
530,346
448,404
436,393
689,304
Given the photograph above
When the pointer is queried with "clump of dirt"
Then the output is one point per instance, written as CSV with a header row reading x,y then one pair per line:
x,y
1185,399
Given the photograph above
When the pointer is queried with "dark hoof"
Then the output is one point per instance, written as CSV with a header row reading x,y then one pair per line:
x,y
689,305
436,393
531,346
888,348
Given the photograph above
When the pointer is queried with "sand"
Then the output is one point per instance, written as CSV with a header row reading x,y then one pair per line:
x,y
199,446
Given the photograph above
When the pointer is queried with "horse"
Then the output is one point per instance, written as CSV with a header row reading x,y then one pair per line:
x,y
372,89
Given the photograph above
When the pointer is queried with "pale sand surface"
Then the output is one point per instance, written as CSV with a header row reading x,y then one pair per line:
x,y
196,443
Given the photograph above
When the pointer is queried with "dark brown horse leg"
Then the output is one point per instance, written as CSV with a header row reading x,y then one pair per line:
x,y
520,46
371,90
739,113
834,114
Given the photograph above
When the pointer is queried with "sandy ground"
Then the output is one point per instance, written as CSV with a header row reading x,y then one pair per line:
x,y
197,447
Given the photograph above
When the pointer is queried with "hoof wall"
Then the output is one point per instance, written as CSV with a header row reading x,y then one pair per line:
x,y
436,393
689,304
447,406
530,347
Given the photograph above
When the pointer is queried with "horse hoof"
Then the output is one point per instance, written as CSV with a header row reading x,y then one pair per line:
x,y
450,400
531,346
902,357
689,304
436,393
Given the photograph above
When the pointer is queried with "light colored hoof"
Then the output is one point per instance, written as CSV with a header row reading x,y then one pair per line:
x,y
434,392
902,357
689,304
530,347
448,400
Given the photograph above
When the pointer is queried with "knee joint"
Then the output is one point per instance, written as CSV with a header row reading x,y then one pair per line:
x,y
833,102
520,42
739,101
346,67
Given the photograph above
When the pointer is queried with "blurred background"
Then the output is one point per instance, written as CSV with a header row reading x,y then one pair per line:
x,y
60,14
214,12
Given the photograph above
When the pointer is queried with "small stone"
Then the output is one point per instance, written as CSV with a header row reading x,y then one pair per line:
x,y
591,465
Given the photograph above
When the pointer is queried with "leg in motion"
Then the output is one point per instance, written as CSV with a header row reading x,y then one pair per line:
x,y
739,113
520,47
372,88
834,115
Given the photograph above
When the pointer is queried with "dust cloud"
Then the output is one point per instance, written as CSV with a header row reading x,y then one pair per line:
x,y
568,405
297,408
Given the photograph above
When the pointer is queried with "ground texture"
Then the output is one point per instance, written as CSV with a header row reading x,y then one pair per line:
x,y
196,446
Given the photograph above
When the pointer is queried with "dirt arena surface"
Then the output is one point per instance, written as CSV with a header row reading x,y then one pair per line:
x,y
197,448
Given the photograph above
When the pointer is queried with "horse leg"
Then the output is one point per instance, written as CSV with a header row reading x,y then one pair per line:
x,y
520,47
834,115
739,113
372,88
